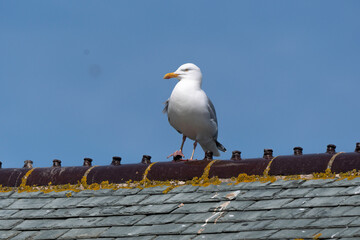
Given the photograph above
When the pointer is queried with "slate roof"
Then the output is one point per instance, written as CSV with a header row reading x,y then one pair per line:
x,y
324,209
300,196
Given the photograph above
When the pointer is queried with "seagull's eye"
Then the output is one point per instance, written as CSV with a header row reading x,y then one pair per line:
x,y
185,70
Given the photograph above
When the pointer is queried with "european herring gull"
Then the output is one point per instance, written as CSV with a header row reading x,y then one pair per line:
x,y
191,112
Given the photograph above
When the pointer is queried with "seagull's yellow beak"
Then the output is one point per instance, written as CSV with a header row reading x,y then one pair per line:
x,y
170,75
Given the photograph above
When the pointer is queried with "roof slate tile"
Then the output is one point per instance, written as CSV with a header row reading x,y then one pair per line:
x,y
25,235
327,192
83,233
177,237
155,199
134,238
250,185
163,229
294,193
223,187
50,234
161,219
119,221
325,201
332,222
295,233
352,201
6,202
259,194
331,233
8,234
67,212
30,203
158,190
54,194
285,213
98,201
318,183
322,212
353,190
31,213
269,204
129,200
345,182
242,216
262,234
122,231
157,209
132,210
248,226
6,194
195,208
5,214
37,224
9,224
70,223
126,191
353,211
297,203
107,211
27,195
208,228
351,232
222,236
284,184
199,217
184,198
290,224
239,205
356,222
70,202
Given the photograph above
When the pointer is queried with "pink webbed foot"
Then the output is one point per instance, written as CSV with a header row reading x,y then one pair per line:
x,y
177,153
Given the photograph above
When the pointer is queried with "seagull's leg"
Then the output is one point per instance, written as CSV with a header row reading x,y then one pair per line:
x,y
192,155
179,152
182,144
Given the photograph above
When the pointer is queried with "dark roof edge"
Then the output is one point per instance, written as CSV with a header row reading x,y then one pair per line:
x,y
183,170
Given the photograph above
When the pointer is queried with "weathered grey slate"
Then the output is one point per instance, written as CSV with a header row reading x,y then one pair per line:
x,y
327,209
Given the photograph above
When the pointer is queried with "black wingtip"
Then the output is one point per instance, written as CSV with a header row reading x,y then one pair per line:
x,y
220,146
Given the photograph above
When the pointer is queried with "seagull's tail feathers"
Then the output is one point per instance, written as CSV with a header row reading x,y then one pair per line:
x,y
213,146
220,146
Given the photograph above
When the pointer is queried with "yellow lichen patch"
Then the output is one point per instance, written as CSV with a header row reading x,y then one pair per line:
x,y
332,159
145,181
204,180
292,177
350,175
6,189
68,194
316,236
84,178
25,177
148,169
267,169
243,177
325,175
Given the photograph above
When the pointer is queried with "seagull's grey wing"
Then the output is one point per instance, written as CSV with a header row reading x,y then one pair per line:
x,y
214,120
213,117
165,110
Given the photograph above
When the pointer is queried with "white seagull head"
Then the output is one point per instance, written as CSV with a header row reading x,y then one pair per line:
x,y
186,71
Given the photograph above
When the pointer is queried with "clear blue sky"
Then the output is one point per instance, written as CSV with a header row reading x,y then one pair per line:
x,y
84,78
